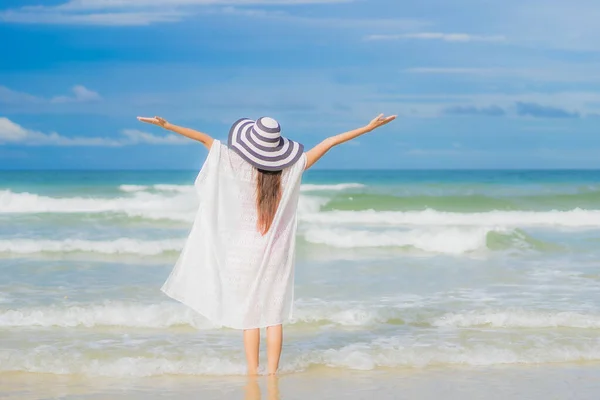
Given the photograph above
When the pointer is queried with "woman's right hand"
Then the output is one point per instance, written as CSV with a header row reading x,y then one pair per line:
x,y
380,120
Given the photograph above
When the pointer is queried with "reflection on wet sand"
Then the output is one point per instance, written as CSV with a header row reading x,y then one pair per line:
x,y
252,388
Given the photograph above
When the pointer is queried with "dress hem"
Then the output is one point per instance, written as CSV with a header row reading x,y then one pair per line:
x,y
219,324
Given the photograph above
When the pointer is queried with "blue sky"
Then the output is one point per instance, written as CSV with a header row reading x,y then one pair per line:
x,y
475,83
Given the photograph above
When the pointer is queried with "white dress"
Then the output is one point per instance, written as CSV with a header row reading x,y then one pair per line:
x,y
227,271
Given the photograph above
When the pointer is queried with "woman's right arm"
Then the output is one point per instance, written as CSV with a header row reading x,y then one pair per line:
x,y
202,137
315,154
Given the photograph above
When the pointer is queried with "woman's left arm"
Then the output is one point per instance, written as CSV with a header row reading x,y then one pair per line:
x,y
202,137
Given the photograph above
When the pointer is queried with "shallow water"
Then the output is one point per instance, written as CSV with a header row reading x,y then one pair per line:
x,y
395,270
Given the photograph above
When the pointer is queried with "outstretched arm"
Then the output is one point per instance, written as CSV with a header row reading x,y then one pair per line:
x,y
314,154
203,138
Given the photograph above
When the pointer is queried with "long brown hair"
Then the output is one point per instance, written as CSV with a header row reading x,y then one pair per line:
x,y
268,194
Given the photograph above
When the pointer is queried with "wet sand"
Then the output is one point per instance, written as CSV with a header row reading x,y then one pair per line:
x,y
580,382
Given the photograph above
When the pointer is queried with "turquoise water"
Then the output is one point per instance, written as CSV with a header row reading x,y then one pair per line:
x,y
394,269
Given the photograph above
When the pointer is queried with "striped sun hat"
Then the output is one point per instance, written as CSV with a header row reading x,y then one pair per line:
x,y
261,144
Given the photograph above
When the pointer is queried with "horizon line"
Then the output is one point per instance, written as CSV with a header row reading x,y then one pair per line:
x,y
314,169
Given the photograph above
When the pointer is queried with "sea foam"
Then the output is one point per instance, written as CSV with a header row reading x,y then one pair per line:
x,y
434,240
518,318
437,240
351,314
110,314
574,218
336,187
116,246
141,204
364,356
179,203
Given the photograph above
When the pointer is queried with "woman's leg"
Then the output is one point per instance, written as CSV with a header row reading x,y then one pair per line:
x,y
252,344
274,341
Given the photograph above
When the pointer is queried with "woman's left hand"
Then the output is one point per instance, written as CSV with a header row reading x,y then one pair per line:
x,y
154,121
380,120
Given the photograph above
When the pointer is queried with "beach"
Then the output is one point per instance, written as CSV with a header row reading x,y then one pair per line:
x,y
494,383
408,284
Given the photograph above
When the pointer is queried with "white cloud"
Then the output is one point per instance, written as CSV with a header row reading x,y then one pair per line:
x,y
12,133
442,70
131,12
246,12
549,72
446,37
53,17
454,152
114,4
434,104
81,94
135,136
9,96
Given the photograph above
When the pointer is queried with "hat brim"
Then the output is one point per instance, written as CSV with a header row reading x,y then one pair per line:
x,y
272,158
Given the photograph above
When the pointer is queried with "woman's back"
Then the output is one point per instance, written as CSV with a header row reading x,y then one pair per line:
x,y
228,270
239,191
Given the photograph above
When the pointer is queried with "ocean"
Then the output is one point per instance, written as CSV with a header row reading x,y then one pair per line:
x,y
398,274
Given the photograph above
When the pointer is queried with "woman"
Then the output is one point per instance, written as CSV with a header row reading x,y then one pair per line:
x,y
237,266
